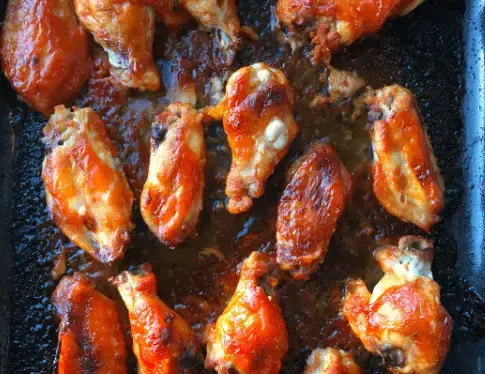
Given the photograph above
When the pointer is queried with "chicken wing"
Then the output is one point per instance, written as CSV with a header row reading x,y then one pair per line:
x,y
170,15
259,123
126,31
171,199
407,180
309,209
250,336
90,335
402,320
162,341
86,190
44,52
331,361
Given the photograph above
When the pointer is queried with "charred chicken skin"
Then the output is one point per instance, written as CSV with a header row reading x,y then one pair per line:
x,y
171,199
402,320
331,361
406,178
44,52
90,335
162,341
126,31
309,209
250,336
86,190
259,123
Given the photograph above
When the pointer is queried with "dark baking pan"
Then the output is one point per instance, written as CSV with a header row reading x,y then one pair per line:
x,y
437,52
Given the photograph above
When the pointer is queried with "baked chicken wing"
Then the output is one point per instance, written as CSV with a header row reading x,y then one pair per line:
x,y
331,361
126,31
402,320
90,335
86,190
406,178
44,52
171,199
259,123
167,11
250,336
162,341
309,209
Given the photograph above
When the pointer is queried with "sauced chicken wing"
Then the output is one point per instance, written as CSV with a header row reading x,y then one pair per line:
x,y
44,52
171,199
402,320
90,335
167,11
162,341
331,361
250,336
309,209
86,191
258,120
407,180
126,31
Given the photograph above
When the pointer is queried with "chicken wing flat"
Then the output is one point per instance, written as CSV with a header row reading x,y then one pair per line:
x,y
86,190
402,320
250,336
331,361
259,123
44,52
407,180
171,199
309,209
162,341
126,32
90,335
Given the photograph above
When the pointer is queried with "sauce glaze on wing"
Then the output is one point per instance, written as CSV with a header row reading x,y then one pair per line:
x,y
331,361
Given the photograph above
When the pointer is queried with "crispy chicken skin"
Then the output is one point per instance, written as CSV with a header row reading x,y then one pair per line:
x,y
167,11
171,199
259,123
90,335
126,31
250,336
402,320
86,190
407,180
331,361
44,52
309,209
162,341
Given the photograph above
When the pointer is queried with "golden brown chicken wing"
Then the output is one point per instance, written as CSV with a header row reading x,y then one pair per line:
x,y
44,52
86,190
258,120
309,209
407,180
162,341
402,320
171,199
126,31
331,361
171,15
90,335
250,336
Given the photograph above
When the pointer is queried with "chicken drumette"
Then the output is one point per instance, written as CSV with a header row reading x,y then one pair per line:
x,y
86,190
331,361
402,320
407,180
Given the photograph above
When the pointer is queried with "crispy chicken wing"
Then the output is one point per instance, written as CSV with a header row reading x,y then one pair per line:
x,y
126,31
171,199
402,320
331,361
250,336
407,180
86,190
162,341
167,11
44,52
258,120
90,335
309,209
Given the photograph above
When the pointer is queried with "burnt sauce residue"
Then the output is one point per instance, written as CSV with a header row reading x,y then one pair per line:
x,y
422,52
